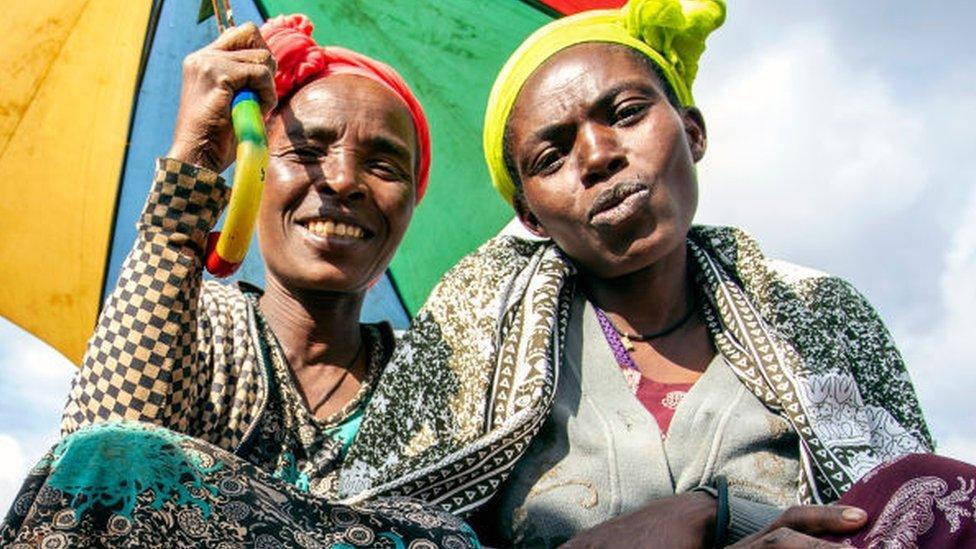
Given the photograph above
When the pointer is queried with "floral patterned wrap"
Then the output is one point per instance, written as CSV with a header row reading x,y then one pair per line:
x,y
472,380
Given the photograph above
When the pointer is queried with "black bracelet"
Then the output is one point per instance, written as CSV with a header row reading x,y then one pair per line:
x,y
722,512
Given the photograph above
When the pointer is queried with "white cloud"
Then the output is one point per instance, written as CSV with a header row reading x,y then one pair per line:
x,y
945,355
31,372
13,468
800,140
830,164
34,381
959,447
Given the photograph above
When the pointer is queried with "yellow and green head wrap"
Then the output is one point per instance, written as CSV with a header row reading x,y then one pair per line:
x,y
670,32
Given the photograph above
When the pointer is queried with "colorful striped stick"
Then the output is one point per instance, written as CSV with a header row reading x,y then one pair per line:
x,y
226,249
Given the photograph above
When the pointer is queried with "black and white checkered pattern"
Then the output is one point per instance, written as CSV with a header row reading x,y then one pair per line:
x,y
170,349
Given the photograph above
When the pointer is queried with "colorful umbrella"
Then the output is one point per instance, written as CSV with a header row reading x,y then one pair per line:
x,y
81,75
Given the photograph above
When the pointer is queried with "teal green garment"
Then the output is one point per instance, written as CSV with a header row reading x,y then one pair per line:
x,y
342,434
130,484
345,432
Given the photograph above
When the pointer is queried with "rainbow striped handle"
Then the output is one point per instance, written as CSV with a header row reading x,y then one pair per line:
x,y
226,248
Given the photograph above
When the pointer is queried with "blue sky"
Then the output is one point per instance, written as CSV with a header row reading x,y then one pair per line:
x,y
841,134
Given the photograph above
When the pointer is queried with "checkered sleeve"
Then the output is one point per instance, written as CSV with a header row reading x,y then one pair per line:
x,y
148,358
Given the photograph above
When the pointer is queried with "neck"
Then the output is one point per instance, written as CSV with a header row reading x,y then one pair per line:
x,y
314,328
648,300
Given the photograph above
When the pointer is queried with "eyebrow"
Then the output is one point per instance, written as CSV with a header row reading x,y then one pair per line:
x,y
389,145
299,132
609,95
385,144
551,131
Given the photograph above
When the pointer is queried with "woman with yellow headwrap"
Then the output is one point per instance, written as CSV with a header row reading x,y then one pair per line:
x,y
616,373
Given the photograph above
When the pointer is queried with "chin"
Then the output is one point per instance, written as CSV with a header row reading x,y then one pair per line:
x,y
646,252
336,284
327,279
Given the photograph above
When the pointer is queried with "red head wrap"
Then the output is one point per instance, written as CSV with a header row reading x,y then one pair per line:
x,y
301,60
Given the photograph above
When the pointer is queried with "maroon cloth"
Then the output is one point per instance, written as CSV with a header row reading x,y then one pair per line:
x,y
661,399
919,500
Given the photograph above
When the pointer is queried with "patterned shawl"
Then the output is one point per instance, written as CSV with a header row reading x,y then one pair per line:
x,y
475,376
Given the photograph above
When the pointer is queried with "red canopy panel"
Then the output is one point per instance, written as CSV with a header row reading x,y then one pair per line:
x,y
569,7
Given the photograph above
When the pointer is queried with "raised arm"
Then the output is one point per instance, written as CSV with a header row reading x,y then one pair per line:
x,y
150,357
144,361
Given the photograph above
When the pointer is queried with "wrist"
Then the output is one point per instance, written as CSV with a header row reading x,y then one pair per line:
x,y
748,517
193,155
185,199
716,532
703,513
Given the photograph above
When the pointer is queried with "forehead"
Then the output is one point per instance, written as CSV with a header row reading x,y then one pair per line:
x,y
575,77
343,100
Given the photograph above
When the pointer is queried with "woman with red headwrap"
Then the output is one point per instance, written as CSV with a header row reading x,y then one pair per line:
x,y
238,405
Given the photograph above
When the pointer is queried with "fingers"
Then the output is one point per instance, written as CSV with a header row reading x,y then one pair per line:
x,y
255,77
261,82
256,56
241,37
823,519
797,526
244,44
785,538
233,71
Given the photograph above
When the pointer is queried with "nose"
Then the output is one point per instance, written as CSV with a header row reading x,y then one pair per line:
x,y
600,153
340,176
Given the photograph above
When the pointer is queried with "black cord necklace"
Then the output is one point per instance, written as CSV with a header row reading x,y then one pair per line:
x,y
628,339
345,373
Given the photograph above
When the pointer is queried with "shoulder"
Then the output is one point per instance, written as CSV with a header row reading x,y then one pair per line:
x,y
493,263
740,253
504,249
220,292
792,274
812,285
830,295
820,290
226,302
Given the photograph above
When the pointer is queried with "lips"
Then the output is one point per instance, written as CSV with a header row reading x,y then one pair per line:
x,y
605,206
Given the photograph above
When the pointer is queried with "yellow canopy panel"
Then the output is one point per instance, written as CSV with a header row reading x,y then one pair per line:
x,y
69,74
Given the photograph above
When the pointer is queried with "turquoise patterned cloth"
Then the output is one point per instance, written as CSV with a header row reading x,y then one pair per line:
x,y
126,484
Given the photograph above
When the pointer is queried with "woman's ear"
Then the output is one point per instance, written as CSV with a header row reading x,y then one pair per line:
x,y
525,215
695,130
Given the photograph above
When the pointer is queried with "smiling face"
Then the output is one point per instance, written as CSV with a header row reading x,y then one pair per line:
x,y
606,163
341,185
